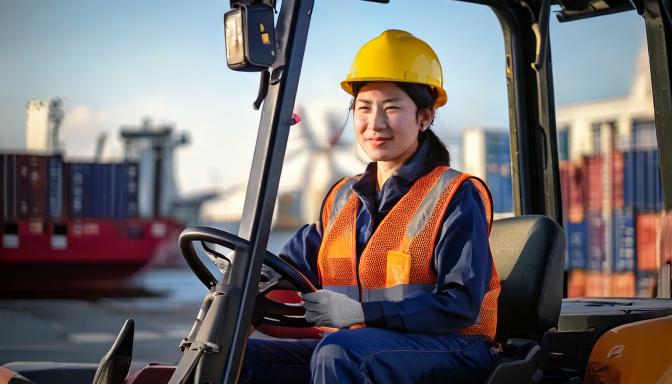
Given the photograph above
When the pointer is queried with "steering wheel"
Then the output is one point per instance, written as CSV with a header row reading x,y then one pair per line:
x,y
277,274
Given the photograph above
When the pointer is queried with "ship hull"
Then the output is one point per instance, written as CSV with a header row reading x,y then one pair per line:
x,y
82,252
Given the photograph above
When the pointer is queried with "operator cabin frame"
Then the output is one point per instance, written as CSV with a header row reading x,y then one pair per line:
x,y
535,173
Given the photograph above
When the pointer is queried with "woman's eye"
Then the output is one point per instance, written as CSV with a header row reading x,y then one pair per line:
x,y
391,108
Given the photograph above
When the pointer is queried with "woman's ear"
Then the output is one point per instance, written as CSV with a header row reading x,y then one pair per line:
x,y
426,118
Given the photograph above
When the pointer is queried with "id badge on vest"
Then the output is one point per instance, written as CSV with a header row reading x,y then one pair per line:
x,y
398,268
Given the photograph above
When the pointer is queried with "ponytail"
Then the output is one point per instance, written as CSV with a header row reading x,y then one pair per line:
x,y
437,149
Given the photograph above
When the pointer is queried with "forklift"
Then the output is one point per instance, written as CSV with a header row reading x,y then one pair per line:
x,y
545,338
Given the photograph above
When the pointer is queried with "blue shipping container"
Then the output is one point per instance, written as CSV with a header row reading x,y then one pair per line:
x,y
78,175
103,190
577,246
126,190
498,170
642,183
55,187
623,241
596,240
132,185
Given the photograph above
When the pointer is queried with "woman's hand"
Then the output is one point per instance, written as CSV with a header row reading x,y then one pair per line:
x,y
331,309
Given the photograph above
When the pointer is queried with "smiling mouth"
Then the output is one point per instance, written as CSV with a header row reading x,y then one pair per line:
x,y
379,140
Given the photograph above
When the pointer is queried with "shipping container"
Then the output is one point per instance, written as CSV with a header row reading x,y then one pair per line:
x,y
564,185
623,241
577,246
55,187
657,203
67,190
629,180
623,284
78,187
651,180
99,200
125,189
576,283
595,229
594,183
494,183
103,190
643,187
617,180
647,284
30,178
665,238
563,144
646,225
498,170
598,284
576,188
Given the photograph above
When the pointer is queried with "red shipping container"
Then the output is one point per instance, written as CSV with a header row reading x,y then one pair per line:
x,y
31,177
576,191
617,180
598,284
623,284
576,283
594,183
665,238
646,230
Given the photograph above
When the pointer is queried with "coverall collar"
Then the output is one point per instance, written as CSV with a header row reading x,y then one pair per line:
x,y
397,184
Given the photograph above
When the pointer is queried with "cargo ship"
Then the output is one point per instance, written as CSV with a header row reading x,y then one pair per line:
x,y
74,224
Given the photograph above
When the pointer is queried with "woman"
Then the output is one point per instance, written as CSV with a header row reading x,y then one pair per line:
x,y
401,251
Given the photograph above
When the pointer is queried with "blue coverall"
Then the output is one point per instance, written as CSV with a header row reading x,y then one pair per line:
x,y
405,341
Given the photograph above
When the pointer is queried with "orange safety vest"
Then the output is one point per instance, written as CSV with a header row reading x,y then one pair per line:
x,y
398,258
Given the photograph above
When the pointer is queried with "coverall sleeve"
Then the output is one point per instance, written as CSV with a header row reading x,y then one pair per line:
x,y
301,251
462,262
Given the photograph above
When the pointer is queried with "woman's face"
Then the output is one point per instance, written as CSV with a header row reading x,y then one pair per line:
x,y
387,123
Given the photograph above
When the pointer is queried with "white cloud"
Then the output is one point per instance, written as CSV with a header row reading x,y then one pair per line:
x,y
81,126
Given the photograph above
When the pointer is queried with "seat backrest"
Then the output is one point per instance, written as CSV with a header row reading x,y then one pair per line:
x,y
528,252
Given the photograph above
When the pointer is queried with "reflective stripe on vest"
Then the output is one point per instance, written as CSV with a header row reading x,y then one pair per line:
x,y
398,258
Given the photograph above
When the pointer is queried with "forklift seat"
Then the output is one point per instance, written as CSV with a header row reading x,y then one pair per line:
x,y
528,252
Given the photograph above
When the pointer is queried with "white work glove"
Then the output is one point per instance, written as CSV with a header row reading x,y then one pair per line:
x,y
331,309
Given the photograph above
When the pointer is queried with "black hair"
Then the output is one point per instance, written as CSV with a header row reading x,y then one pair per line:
x,y
423,98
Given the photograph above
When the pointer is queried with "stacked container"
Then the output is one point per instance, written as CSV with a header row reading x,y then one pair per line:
x,y
487,154
498,167
612,214
102,190
45,188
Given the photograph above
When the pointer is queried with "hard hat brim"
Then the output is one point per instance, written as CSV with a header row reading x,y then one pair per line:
x,y
440,93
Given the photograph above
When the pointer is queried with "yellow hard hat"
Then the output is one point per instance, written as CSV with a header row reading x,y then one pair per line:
x,y
397,56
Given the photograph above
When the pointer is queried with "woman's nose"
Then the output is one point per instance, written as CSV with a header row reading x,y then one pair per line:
x,y
378,119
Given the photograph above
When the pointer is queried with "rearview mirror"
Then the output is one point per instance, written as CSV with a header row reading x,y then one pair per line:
x,y
250,37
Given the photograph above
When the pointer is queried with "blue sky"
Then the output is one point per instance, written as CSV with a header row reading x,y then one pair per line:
x,y
115,62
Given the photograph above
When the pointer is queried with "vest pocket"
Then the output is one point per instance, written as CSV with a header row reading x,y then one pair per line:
x,y
398,270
